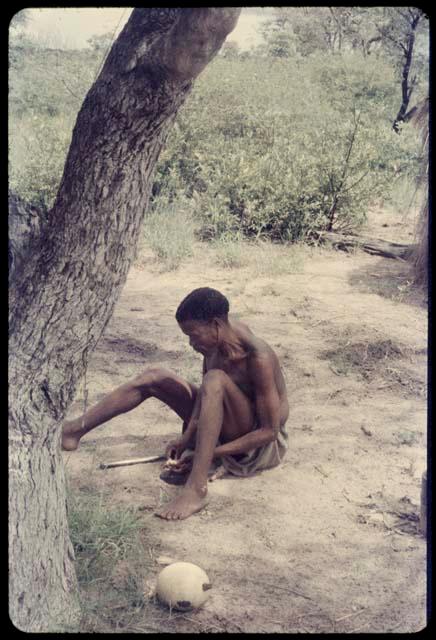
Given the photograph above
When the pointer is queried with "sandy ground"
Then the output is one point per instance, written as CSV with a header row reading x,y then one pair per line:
x,y
329,540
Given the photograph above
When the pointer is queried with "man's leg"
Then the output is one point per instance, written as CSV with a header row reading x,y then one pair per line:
x,y
158,383
225,411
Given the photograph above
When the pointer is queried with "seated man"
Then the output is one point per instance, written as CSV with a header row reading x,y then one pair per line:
x,y
238,413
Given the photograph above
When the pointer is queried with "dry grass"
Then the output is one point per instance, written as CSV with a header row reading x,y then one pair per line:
x,y
384,360
269,259
169,232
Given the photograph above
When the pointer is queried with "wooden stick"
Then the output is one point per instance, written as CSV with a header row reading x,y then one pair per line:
x,y
124,463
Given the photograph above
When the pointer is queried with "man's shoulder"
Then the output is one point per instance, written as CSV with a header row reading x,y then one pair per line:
x,y
252,343
260,353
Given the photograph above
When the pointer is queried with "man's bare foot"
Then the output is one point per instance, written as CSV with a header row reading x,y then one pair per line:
x,y
70,437
188,502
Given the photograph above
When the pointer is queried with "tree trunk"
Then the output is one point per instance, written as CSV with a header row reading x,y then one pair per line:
x,y
63,294
25,227
406,86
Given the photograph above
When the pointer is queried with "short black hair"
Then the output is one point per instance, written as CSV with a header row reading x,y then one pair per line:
x,y
202,304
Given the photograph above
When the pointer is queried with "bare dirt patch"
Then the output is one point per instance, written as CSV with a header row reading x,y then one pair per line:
x,y
329,540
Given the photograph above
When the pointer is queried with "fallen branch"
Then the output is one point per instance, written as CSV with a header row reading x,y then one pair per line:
x,y
374,246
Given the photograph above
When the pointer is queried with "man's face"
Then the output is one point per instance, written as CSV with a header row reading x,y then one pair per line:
x,y
203,336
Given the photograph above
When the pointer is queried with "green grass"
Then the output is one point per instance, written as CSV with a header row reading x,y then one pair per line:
x,y
110,560
169,232
101,536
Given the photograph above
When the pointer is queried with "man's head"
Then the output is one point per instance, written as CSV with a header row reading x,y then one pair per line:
x,y
200,316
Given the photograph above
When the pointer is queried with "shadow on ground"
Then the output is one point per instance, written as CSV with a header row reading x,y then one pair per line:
x,y
390,279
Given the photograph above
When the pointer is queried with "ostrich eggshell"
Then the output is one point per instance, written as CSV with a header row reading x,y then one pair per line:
x,y
183,586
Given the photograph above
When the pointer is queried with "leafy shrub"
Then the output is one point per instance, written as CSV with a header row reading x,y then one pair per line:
x,y
277,148
37,159
46,90
263,147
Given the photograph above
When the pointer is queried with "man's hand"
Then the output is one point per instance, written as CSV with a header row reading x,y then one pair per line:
x,y
182,465
175,449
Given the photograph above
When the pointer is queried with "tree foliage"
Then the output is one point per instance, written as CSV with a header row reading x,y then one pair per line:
x,y
398,35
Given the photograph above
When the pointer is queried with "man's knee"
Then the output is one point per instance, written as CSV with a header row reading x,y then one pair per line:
x,y
214,381
151,379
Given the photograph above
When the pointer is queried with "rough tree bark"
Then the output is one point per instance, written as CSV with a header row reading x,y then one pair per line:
x,y
62,294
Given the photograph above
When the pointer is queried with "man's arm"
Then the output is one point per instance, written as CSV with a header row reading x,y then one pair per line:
x,y
267,400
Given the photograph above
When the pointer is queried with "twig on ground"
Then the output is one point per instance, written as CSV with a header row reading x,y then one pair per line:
x,y
359,628
350,615
276,586
394,528
319,615
359,504
366,431
323,473
315,324
334,370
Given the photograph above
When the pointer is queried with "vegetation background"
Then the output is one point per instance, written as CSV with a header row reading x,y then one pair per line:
x,y
304,131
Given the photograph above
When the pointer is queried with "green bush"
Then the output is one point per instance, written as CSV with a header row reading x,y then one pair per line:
x,y
37,158
277,148
263,147
46,90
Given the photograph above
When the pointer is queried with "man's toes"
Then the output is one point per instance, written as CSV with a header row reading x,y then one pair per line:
x,y
161,514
